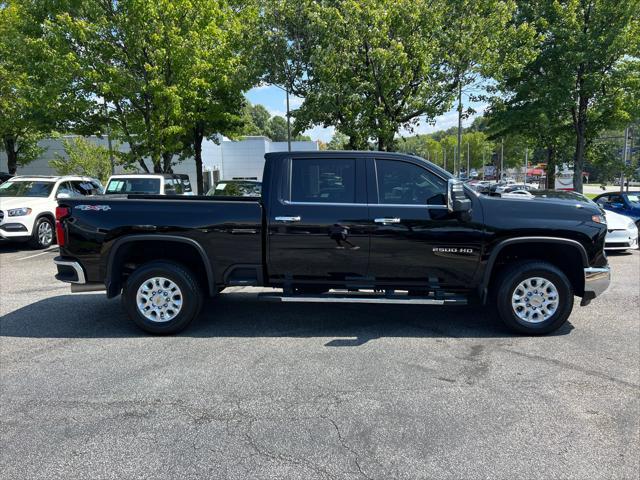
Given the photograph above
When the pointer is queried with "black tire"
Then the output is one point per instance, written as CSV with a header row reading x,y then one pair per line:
x,y
36,240
512,277
190,294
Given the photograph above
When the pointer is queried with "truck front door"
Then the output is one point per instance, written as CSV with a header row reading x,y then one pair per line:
x,y
317,223
415,241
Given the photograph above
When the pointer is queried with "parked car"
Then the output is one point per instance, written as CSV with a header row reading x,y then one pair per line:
x,y
28,205
340,227
4,176
622,232
236,188
627,204
149,184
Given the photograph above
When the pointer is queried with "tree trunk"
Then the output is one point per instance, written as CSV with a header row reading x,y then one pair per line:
x,y
12,154
578,159
166,162
198,135
551,168
157,163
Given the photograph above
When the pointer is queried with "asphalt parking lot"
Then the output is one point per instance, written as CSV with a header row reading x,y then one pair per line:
x,y
261,390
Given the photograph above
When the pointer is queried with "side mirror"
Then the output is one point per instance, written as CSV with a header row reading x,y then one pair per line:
x,y
63,195
457,201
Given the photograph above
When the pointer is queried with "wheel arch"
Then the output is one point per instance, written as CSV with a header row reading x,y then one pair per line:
x,y
122,248
568,255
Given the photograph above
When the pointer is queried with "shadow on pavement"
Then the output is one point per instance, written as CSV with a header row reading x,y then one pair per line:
x,y
241,314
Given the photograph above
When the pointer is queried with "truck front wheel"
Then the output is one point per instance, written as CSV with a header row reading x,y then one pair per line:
x,y
534,297
162,297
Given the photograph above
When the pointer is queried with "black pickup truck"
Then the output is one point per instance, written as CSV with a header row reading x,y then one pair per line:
x,y
339,227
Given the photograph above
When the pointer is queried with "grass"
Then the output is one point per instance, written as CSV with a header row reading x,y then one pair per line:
x,y
591,195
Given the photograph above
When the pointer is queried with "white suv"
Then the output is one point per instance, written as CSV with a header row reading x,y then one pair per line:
x,y
28,205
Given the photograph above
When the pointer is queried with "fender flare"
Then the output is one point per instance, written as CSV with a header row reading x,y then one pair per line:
x,y
486,276
113,252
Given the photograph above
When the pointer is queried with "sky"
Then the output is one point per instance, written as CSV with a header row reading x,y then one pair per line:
x,y
274,100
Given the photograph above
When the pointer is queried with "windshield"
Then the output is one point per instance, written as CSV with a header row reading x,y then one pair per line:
x,y
134,185
17,188
236,189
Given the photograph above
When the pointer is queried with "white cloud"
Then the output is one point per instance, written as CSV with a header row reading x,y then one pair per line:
x,y
294,102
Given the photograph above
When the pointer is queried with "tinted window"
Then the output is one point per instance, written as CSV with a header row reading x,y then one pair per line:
x,y
66,189
134,185
85,188
186,183
330,181
408,184
236,189
170,186
26,189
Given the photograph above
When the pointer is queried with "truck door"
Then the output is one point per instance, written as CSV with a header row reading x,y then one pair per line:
x,y
317,223
415,240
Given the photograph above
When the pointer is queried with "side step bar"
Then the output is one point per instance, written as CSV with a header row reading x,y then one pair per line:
x,y
364,297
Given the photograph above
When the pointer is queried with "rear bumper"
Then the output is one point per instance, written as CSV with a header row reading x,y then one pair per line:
x,y
69,271
596,281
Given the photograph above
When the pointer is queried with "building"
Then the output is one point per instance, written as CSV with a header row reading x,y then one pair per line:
x,y
231,159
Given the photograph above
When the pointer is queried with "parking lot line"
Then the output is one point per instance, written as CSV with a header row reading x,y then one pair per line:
x,y
48,250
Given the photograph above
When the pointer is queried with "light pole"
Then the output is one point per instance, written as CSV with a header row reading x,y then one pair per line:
x,y
106,115
468,160
501,158
526,165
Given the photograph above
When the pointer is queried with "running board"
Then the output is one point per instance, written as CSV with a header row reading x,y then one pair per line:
x,y
363,297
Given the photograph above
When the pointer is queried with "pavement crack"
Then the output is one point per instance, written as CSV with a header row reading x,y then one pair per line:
x,y
356,455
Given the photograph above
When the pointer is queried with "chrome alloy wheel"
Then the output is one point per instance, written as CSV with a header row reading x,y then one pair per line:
x,y
535,300
45,234
159,299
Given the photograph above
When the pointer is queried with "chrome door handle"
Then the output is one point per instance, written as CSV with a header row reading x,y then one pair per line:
x,y
384,221
288,219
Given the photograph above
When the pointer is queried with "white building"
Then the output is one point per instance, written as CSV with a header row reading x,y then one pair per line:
x,y
241,159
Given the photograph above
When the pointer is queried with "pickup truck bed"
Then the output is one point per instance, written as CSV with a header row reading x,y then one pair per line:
x,y
334,226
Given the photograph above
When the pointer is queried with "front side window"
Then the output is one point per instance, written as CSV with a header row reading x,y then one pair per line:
x,y
323,181
403,183
16,188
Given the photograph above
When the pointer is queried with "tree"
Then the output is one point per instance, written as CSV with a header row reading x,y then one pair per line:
x,y
373,69
576,78
480,42
83,158
277,129
35,85
339,141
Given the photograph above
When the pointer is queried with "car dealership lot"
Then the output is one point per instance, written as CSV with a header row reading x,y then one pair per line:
x,y
261,390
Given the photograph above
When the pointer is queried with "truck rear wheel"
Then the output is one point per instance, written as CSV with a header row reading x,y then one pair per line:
x,y
162,297
534,297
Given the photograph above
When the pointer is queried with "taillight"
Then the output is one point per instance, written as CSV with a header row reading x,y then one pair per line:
x,y
61,214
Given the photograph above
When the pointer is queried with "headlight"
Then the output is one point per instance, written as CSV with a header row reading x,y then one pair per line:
x,y
599,219
632,226
19,212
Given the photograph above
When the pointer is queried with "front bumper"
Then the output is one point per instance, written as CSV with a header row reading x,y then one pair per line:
x,y
596,281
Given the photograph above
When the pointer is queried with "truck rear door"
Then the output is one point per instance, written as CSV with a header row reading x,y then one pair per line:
x,y
317,221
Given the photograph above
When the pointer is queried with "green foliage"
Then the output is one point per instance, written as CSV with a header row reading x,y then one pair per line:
x,y
372,69
83,158
36,93
576,85
172,72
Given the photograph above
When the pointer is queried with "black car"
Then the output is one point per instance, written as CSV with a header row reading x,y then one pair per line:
x,y
338,227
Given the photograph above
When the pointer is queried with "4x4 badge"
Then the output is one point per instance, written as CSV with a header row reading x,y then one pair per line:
x,y
93,207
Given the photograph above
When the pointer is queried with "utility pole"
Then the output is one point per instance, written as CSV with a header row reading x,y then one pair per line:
x,y
483,164
624,158
501,158
468,161
288,119
526,164
444,156
457,157
106,115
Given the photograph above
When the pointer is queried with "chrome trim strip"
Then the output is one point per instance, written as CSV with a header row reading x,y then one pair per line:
x,y
403,205
76,266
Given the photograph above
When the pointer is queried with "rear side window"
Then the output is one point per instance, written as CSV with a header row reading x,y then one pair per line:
x,y
323,181
403,183
186,183
170,186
